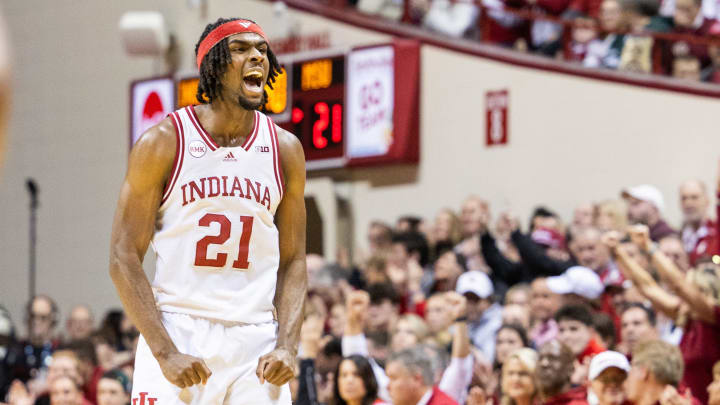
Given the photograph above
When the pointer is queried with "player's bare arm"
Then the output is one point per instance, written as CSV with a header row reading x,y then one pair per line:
x,y
149,167
277,367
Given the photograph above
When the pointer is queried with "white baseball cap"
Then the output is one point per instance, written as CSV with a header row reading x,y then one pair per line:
x,y
475,282
607,359
577,280
646,192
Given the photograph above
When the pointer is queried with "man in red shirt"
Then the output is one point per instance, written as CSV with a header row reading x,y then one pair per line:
x,y
410,380
552,376
698,230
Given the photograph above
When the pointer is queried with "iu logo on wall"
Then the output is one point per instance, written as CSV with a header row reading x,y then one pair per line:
x,y
151,100
496,117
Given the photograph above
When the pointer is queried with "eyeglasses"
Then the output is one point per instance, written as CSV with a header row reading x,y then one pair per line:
x,y
41,317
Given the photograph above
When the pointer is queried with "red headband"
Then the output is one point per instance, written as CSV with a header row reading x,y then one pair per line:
x,y
224,31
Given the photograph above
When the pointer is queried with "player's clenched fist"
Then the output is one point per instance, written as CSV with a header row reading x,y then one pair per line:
x,y
184,370
276,367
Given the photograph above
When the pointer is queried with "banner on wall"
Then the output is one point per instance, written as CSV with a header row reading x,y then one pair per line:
x,y
151,100
370,101
496,118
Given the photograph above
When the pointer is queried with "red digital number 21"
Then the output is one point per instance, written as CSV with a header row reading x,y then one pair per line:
x,y
201,248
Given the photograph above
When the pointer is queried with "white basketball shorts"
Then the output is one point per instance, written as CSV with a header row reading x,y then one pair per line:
x,y
230,351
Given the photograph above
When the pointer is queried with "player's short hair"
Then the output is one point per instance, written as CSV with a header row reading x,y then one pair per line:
x,y
216,62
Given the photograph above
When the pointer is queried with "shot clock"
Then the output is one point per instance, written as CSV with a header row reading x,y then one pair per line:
x,y
355,107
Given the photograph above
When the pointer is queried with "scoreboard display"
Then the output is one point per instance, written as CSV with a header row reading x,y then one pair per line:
x,y
348,108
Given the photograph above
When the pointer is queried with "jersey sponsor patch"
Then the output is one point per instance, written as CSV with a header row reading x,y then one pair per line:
x,y
229,157
197,149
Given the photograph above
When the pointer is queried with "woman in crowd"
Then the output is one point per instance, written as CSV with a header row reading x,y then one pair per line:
x,y
409,331
611,215
445,232
509,338
518,378
355,383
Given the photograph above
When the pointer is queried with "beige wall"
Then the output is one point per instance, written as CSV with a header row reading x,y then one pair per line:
x,y
69,132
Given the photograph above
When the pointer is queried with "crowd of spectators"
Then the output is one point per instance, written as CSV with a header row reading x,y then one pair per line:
x,y
613,307
79,365
611,34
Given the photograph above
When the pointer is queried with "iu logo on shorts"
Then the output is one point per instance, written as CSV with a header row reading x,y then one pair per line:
x,y
143,395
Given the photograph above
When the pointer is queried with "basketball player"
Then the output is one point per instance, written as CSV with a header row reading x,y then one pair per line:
x,y
218,190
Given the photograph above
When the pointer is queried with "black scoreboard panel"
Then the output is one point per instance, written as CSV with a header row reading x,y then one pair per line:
x,y
317,106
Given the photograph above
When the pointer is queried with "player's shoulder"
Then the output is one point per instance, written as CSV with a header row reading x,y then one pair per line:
x,y
289,143
156,145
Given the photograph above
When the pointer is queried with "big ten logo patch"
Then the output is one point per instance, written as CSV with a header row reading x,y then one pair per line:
x,y
197,149
143,397
262,149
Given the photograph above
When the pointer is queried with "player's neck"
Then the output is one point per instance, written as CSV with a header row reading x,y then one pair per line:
x,y
229,125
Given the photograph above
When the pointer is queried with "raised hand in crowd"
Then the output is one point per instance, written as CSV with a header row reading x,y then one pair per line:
x,y
662,300
701,305
671,396
640,235
357,304
457,305
19,394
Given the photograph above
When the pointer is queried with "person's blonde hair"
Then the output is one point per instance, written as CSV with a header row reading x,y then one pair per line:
x,y
617,210
662,359
707,277
529,359
417,324
455,229
520,287
716,371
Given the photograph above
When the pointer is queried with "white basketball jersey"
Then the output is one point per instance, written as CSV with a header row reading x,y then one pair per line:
x,y
216,242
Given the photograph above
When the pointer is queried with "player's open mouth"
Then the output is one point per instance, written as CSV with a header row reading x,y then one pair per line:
x,y
253,81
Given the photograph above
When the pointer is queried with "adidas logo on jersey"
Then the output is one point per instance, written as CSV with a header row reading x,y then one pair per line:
x,y
229,158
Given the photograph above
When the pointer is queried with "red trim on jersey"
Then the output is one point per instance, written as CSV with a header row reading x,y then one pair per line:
x,y
250,139
277,143
276,156
203,134
179,155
